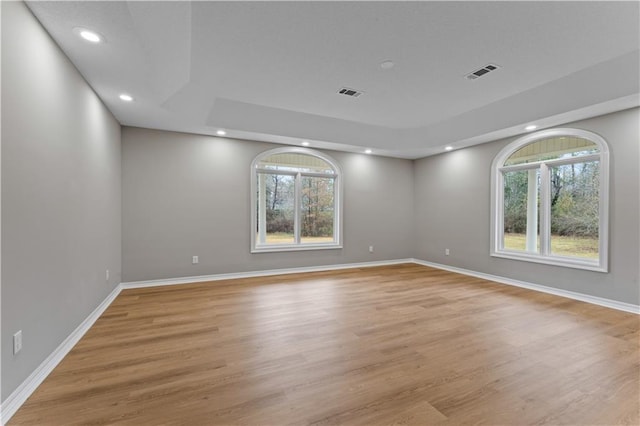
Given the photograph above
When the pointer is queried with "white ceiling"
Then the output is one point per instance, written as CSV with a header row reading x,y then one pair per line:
x,y
270,70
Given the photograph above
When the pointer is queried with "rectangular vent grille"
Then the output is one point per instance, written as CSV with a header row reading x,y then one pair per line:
x,y
482,71
349,92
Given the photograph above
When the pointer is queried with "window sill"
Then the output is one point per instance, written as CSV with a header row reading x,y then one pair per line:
x,y
298,247
555,260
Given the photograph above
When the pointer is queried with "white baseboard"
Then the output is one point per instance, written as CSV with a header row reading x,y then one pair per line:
x,y
20,395
614,304
26,388
264,273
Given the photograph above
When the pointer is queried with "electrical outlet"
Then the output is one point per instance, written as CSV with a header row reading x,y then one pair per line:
x,y
446,252
106,275
370,249
194,260
17,342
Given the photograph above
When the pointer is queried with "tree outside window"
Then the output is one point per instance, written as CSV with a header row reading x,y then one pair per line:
x,y
296,202
550,199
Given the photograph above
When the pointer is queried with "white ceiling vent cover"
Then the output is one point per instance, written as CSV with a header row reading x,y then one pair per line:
x,y
350,92
482,71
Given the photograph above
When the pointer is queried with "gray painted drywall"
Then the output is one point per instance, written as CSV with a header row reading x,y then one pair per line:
x,y
452,202
61,197
186,195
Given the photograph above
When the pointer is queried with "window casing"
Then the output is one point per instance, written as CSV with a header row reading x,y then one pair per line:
x,y
295,201
550,200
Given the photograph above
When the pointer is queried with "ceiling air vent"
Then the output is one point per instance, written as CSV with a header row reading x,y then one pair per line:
x,y
482,71
349,92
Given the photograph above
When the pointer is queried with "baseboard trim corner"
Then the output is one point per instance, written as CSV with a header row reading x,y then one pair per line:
x,y
600,301
31,383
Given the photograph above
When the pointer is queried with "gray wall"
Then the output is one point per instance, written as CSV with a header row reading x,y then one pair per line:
x,y
186,195
60,196
452,196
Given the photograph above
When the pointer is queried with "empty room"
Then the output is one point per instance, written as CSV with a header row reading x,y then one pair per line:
x,y
320,213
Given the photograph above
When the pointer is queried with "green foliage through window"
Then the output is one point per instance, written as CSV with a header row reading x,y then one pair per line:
x,y
551,198
296,200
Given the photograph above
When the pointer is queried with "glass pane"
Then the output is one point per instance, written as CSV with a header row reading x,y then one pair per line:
x,y
296,162
575,209
521,211
276,195
317,210
552,148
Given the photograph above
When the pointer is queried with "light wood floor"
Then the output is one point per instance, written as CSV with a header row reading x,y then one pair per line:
x,y
403,344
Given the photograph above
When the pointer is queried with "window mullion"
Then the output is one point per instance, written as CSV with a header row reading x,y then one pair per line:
x,y
297,204
336,209
532,211
262,209
499,243
276,172
545,210
320,175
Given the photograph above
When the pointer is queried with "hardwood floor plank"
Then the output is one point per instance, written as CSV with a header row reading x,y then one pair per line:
x,y
394,345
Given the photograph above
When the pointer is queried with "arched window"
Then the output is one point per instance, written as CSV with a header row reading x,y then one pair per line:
x,y
550,199
295,201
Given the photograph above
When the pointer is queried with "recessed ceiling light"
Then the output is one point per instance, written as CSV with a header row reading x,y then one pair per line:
x,y
126,98
221,133
88,35
305,143
386,65
368,151
448,148
531,127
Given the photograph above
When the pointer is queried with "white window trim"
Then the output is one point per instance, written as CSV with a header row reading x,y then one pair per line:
x,y
337,224
497,201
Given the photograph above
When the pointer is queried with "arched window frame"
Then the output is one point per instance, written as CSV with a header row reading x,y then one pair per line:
x,y
497,201
297,245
